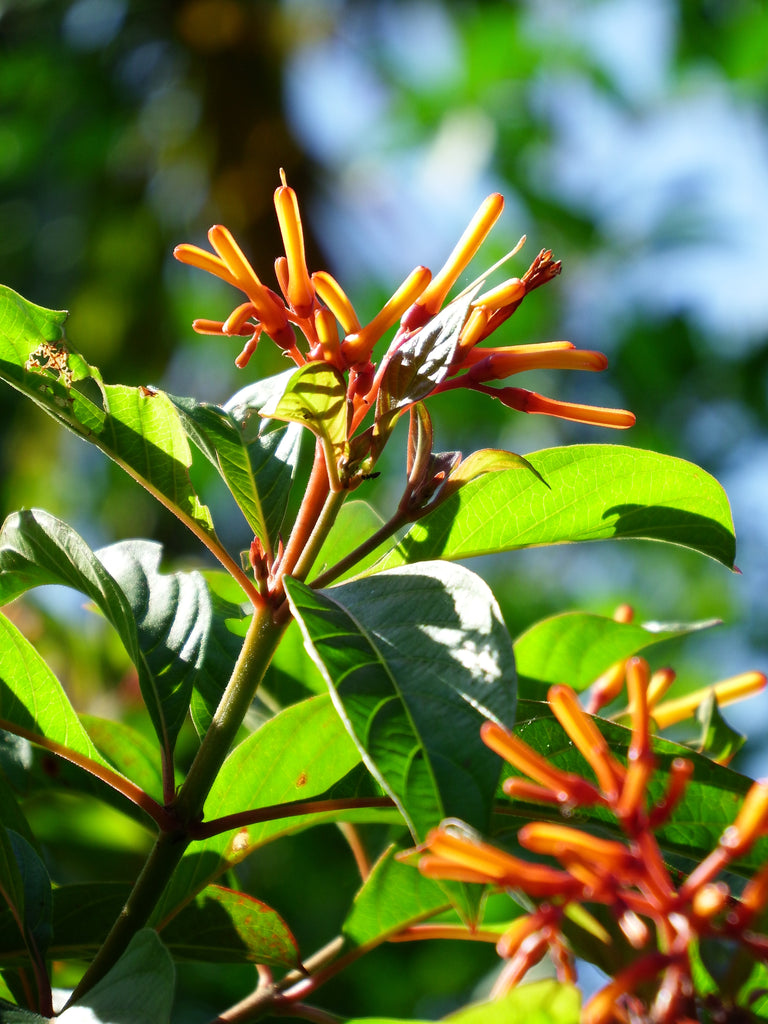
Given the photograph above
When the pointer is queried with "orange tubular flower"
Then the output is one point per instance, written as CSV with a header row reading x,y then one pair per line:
x,y
473,237
357,347
299,291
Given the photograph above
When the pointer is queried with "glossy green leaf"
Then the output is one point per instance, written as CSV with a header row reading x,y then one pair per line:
x,y
256,458
223,926
576,647
299,754
137,427
592,492
415,660
173,616
139,988
316,397
394,896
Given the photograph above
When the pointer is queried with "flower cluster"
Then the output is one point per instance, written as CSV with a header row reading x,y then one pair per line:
x,y
660,916
315,305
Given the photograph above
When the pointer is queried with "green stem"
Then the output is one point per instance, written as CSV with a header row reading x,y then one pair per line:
x,y
256,653
322,528
383,533
260,642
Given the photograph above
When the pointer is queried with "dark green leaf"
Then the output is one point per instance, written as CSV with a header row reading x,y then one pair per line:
x,y
173,617
138,989
592,492
163,620
222,926
10,1014
37,904
255,458
421,362
415,660
576,647
137,427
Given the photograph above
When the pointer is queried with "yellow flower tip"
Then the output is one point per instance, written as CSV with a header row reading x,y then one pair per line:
x,y
357,347
475,234
248,349
587,738
747,684
658,684
638,679
531,402
606,687
506,294
327,333
194,256
750,822
473,331
300,292
333,295
710,899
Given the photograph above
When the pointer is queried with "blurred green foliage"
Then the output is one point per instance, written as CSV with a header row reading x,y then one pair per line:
x,y
127,126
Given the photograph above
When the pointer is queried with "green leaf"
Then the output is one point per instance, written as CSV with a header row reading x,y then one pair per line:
x,y
592,492
540,1002
10,1014
36,908
229,623
256,458
316,397
576,647
487,460
393,896
415,660
355,523
11,881
128,751
718,740
297,755
137,427
162,620
223,926
139,988
172,615
33,702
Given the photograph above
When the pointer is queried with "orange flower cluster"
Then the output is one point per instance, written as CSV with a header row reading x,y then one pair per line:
x,y
658,918
317,306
